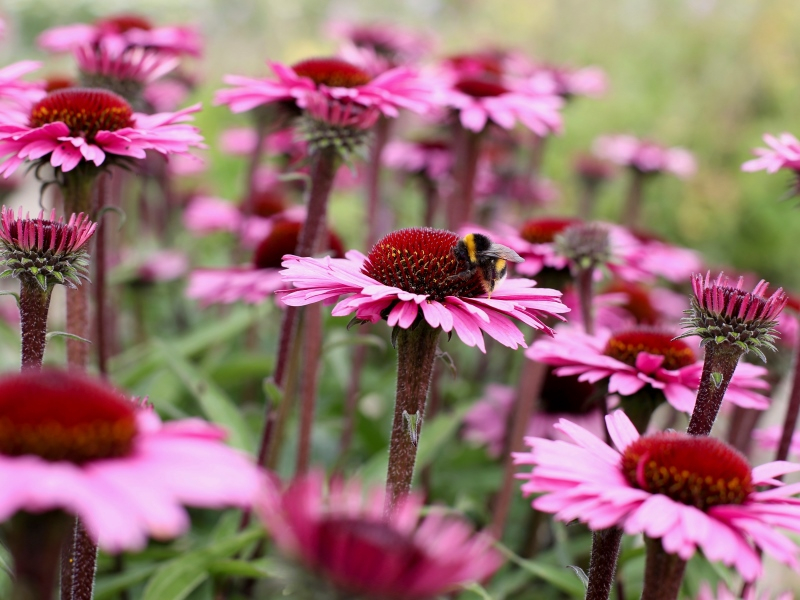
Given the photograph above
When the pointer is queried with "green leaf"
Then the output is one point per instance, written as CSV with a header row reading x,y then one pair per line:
x,y
356,340
110,586
558,577
181,576
716,377
436,434
65,334
478,590
216,405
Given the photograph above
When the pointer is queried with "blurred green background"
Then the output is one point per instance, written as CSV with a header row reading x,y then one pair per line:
x,y
708,75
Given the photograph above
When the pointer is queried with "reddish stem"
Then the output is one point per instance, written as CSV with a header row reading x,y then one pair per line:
x,y
663,572
373,177
792,411
720,359
34,304
461,203
312,356
633,202
603,562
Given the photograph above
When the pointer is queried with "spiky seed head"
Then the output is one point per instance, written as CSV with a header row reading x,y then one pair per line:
x,y
585,245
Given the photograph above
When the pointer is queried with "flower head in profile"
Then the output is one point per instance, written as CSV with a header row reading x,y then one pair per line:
x,y
15,93
414,274
122,32
724,313
691,492
645,156
783,152
378,47
72,443
643,359
45,251
343,541
75,126
258,281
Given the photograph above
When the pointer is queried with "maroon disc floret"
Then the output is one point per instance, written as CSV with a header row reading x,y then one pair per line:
x,y
282,240
694,470
86,111
480,88
332,72
625,346
421,261
544,231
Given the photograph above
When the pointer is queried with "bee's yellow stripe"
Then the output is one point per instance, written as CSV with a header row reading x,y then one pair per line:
x,y
500,264
469,240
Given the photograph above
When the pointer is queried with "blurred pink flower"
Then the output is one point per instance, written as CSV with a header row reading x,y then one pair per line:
x,y
76,125
688,491
769,438
643,356
161,266
783,152
643,257
413,273
120,33
186,165
432,159
332,80
344,538
487,421
134,65
645,156
17,94
166,94
116,466
723,593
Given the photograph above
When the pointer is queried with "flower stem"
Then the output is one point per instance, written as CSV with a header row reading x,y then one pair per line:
x,y
373,177
99,283
663,572
603,562
34,542
312,356
351,402
416,352
430,196
460,205
633,202
584,282
720,363
792,411
528,390
34,304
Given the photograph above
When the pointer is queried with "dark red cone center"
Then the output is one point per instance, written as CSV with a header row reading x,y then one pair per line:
x,y
698,471
638,303
480,88
332,72
625,346
421,261
544,231
59,416
124,23
266,203
283,240
85,111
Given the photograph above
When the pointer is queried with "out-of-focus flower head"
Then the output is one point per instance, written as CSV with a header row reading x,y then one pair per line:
x,y
121,32
347,547
378,47
414,274
690,492
723,593
74,444
75,126
16,94
645,156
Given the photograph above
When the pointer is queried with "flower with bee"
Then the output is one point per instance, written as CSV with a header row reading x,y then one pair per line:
x,y
484,257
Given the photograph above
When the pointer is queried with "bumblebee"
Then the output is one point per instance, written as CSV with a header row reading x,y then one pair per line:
x,y
485,257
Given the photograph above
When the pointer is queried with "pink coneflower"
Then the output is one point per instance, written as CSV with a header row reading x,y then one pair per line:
x,y
783,153
689,492
432,159
74,444
119,33
75,125
585,81
413,274
378,47
645,156
254,283
487,422
160,267
723,593
643,358
332,81
645,257
344,540
769,438
17,94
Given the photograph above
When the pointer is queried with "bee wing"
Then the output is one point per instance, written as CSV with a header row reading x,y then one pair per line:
x,y
500,251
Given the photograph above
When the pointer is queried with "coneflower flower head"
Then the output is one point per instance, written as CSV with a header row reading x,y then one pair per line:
x,y
45,250
724,313
584,244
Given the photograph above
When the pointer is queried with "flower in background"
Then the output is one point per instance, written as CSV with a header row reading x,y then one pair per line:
x,y
17,94
769,438
783,153
691,492
378,47
343,541
622,304
645,156
723,593
643,256
413,274
75,125
643,359
487,422
254,283
119,33
160,267
76,444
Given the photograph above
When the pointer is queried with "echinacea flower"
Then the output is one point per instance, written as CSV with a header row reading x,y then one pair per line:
x,y
783,152
344,541
723,593
769,438
75,125
488,420
74,444
119,33
16,93
45,252
690,492
413,274
645,156
253,283
643,357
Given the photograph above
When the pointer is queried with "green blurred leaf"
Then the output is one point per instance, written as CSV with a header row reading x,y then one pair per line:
x,y
477,589
181,576
436,433
559,577
110,586
214,402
